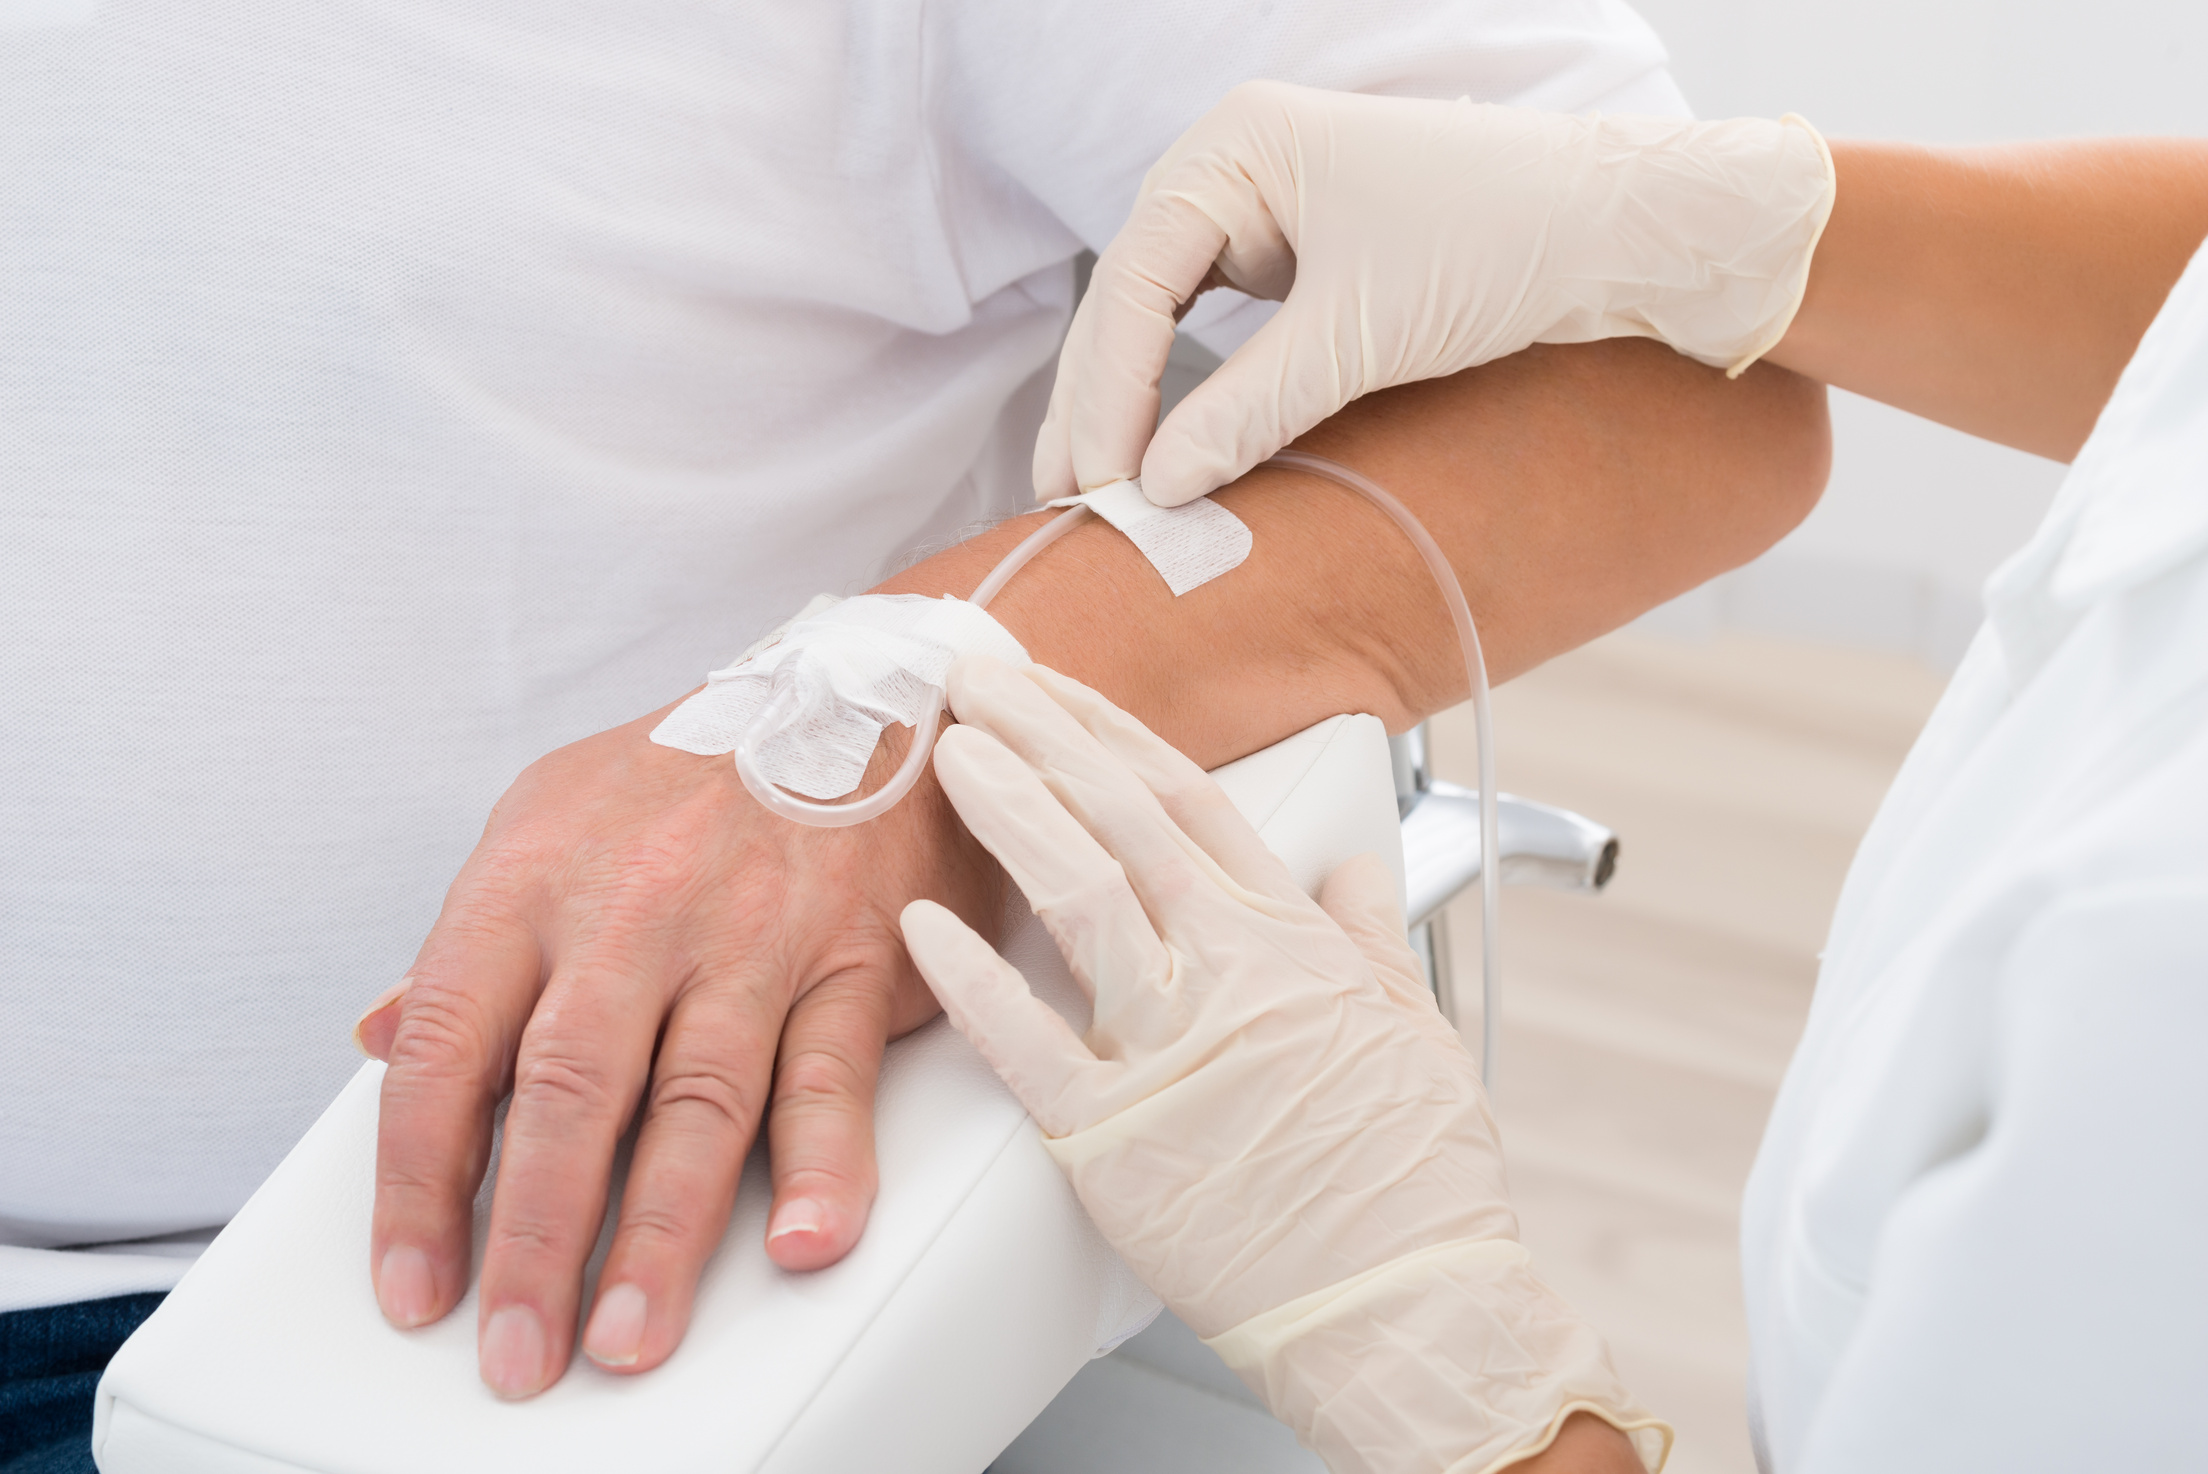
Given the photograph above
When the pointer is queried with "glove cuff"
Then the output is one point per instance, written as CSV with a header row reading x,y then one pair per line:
x,y
1699,235
1793,283
1455,1359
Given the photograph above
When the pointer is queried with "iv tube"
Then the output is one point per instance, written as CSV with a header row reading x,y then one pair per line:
x,y
883,799
1483,727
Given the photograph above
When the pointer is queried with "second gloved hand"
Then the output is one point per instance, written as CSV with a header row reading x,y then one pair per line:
x,y
1268,1117
1409,239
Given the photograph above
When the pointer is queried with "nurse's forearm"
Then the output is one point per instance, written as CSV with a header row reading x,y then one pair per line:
x,y
1573,488
2000,290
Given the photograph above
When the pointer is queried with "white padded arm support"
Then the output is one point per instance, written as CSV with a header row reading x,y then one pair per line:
x,y
978,1290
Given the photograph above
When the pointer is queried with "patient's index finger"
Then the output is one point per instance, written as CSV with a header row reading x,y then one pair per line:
x,y
469,996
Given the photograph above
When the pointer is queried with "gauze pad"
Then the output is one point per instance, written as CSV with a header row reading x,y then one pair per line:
x,y
1189,545
853,666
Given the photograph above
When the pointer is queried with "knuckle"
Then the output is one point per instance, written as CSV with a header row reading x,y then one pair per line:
x,y
700,1099
442,1030
854,962
849,967
414,1181
824,1177
554,1081
507,861
816,1077
658,1228
484,924
527,1238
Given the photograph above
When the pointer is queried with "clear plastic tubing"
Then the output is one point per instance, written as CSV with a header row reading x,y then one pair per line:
x,y
1483,727
879,802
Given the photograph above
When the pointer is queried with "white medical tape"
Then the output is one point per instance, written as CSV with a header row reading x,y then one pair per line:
x,y
1189,545
860,664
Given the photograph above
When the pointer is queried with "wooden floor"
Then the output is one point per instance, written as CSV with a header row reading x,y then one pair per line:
x,y
1644,1032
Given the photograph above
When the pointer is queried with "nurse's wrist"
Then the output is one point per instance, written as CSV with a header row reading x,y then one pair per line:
x,y
1585,1444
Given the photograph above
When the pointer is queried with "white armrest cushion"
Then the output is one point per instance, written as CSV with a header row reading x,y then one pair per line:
x,y
979,1289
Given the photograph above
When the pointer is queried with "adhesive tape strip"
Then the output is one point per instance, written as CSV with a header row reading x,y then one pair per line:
x,y
1189,545
859,664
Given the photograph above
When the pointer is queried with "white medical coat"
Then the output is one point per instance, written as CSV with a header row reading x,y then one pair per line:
x,y
1976,1236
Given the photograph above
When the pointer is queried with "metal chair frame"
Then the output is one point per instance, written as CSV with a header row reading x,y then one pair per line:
x,y
1542,845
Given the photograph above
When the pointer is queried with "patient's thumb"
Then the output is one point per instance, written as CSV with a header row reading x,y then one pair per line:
x,y
1280,383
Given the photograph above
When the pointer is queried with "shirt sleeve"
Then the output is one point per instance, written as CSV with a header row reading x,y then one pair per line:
x,y
1056,108
2036,1301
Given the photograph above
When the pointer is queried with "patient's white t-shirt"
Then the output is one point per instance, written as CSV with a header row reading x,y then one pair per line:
x,y
390,393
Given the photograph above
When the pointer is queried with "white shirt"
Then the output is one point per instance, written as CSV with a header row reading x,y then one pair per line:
x,y
1976,1236
391,393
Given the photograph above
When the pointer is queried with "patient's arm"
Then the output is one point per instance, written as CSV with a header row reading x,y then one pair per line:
x,y
633,928
1573,489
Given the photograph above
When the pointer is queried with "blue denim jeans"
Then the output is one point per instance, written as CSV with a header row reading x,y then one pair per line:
x,y
50,1360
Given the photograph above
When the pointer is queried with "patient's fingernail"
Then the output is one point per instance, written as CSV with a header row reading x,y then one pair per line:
x,y
512,1353
798,1215
405,1289
383,1001
616,1334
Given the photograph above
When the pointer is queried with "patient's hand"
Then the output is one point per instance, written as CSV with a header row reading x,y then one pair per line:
x,y
633,928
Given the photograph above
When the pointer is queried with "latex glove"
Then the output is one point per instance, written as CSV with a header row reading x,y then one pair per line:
x,y
1408,239
636,938
1267,1116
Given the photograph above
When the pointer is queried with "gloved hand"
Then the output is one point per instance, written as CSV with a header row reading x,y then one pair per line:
x,y
1408,239
1268,1117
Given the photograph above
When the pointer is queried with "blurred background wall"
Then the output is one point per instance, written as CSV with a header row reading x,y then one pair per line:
x,y
1917,515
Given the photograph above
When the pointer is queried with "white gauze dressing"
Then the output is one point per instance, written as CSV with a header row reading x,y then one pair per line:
x,y
1189,545
857,665
847,668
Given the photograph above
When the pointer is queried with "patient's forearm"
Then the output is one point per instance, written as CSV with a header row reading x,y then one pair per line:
x,y
1573,488
2000,290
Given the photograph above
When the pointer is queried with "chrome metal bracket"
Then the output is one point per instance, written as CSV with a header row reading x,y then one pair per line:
x,y
1541,845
